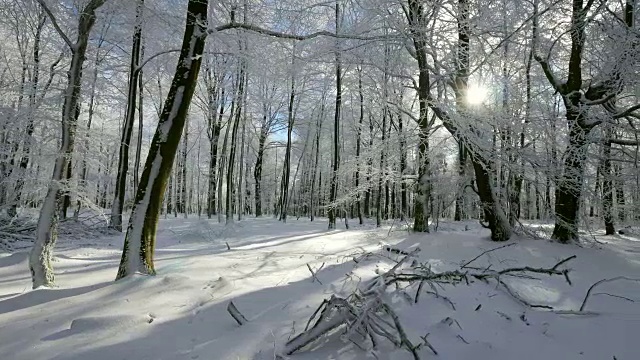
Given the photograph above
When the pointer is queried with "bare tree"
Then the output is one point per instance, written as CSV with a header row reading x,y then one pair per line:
x,y
42,252
127,127
139,245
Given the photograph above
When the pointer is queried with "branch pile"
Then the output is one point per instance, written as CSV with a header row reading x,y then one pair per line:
x,y
366,316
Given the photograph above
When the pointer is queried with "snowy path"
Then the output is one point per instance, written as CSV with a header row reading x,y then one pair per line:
x,y
181,312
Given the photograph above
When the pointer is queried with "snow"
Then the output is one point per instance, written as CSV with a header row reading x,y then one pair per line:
x,y
181,312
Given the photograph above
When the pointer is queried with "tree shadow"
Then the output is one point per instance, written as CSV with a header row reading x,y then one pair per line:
x,y
207,329
42,296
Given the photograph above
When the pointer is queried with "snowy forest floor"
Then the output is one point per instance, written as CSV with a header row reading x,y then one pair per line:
x,y
181,313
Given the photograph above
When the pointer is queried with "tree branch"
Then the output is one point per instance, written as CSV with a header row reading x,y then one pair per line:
x,y
267,32
557,85
64,36
628,112
623,142
586,297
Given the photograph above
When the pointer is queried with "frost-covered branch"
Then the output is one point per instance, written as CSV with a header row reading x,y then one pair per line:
x,y
557,85
56,26
299,37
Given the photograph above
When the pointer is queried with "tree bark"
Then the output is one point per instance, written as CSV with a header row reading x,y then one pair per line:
x,y
47,228
127,127
213,133
139,245
359,145
333,207
286,166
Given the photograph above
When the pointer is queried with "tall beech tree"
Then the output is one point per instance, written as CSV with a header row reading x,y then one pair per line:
x,y
47,228
139,244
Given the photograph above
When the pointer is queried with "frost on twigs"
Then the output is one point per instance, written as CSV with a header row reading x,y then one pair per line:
x,y
17,233
367,317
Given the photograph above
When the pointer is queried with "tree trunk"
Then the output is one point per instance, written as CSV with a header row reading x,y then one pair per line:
x,y
569,185
459,212
333,207
137,255
286,167
138,155
47,228
368,194
184,200
257,170
607,185
620,199
232,151
358,145
127,127
317,158
213,133
241,162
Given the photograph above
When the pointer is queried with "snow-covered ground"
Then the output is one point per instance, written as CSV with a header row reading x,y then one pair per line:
x,y
181,313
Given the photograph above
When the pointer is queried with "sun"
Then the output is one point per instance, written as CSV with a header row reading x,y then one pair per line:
x,y
476,94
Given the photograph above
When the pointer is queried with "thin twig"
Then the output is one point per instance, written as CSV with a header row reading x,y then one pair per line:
x,y
597,283
483,253
314,277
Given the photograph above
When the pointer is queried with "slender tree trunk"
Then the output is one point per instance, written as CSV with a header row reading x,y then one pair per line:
x,y
333,207
241,160
620,199
286,167
28,138
223,155
257,170
184,201
607,185
215,171
136,162
459,212
368,194
403,169
381,175
232,151
317,158
139,245
358,145
127,127
213,133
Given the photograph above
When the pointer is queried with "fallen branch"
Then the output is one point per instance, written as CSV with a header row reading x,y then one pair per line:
x,y
314,276
236,314
365,313
598,283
